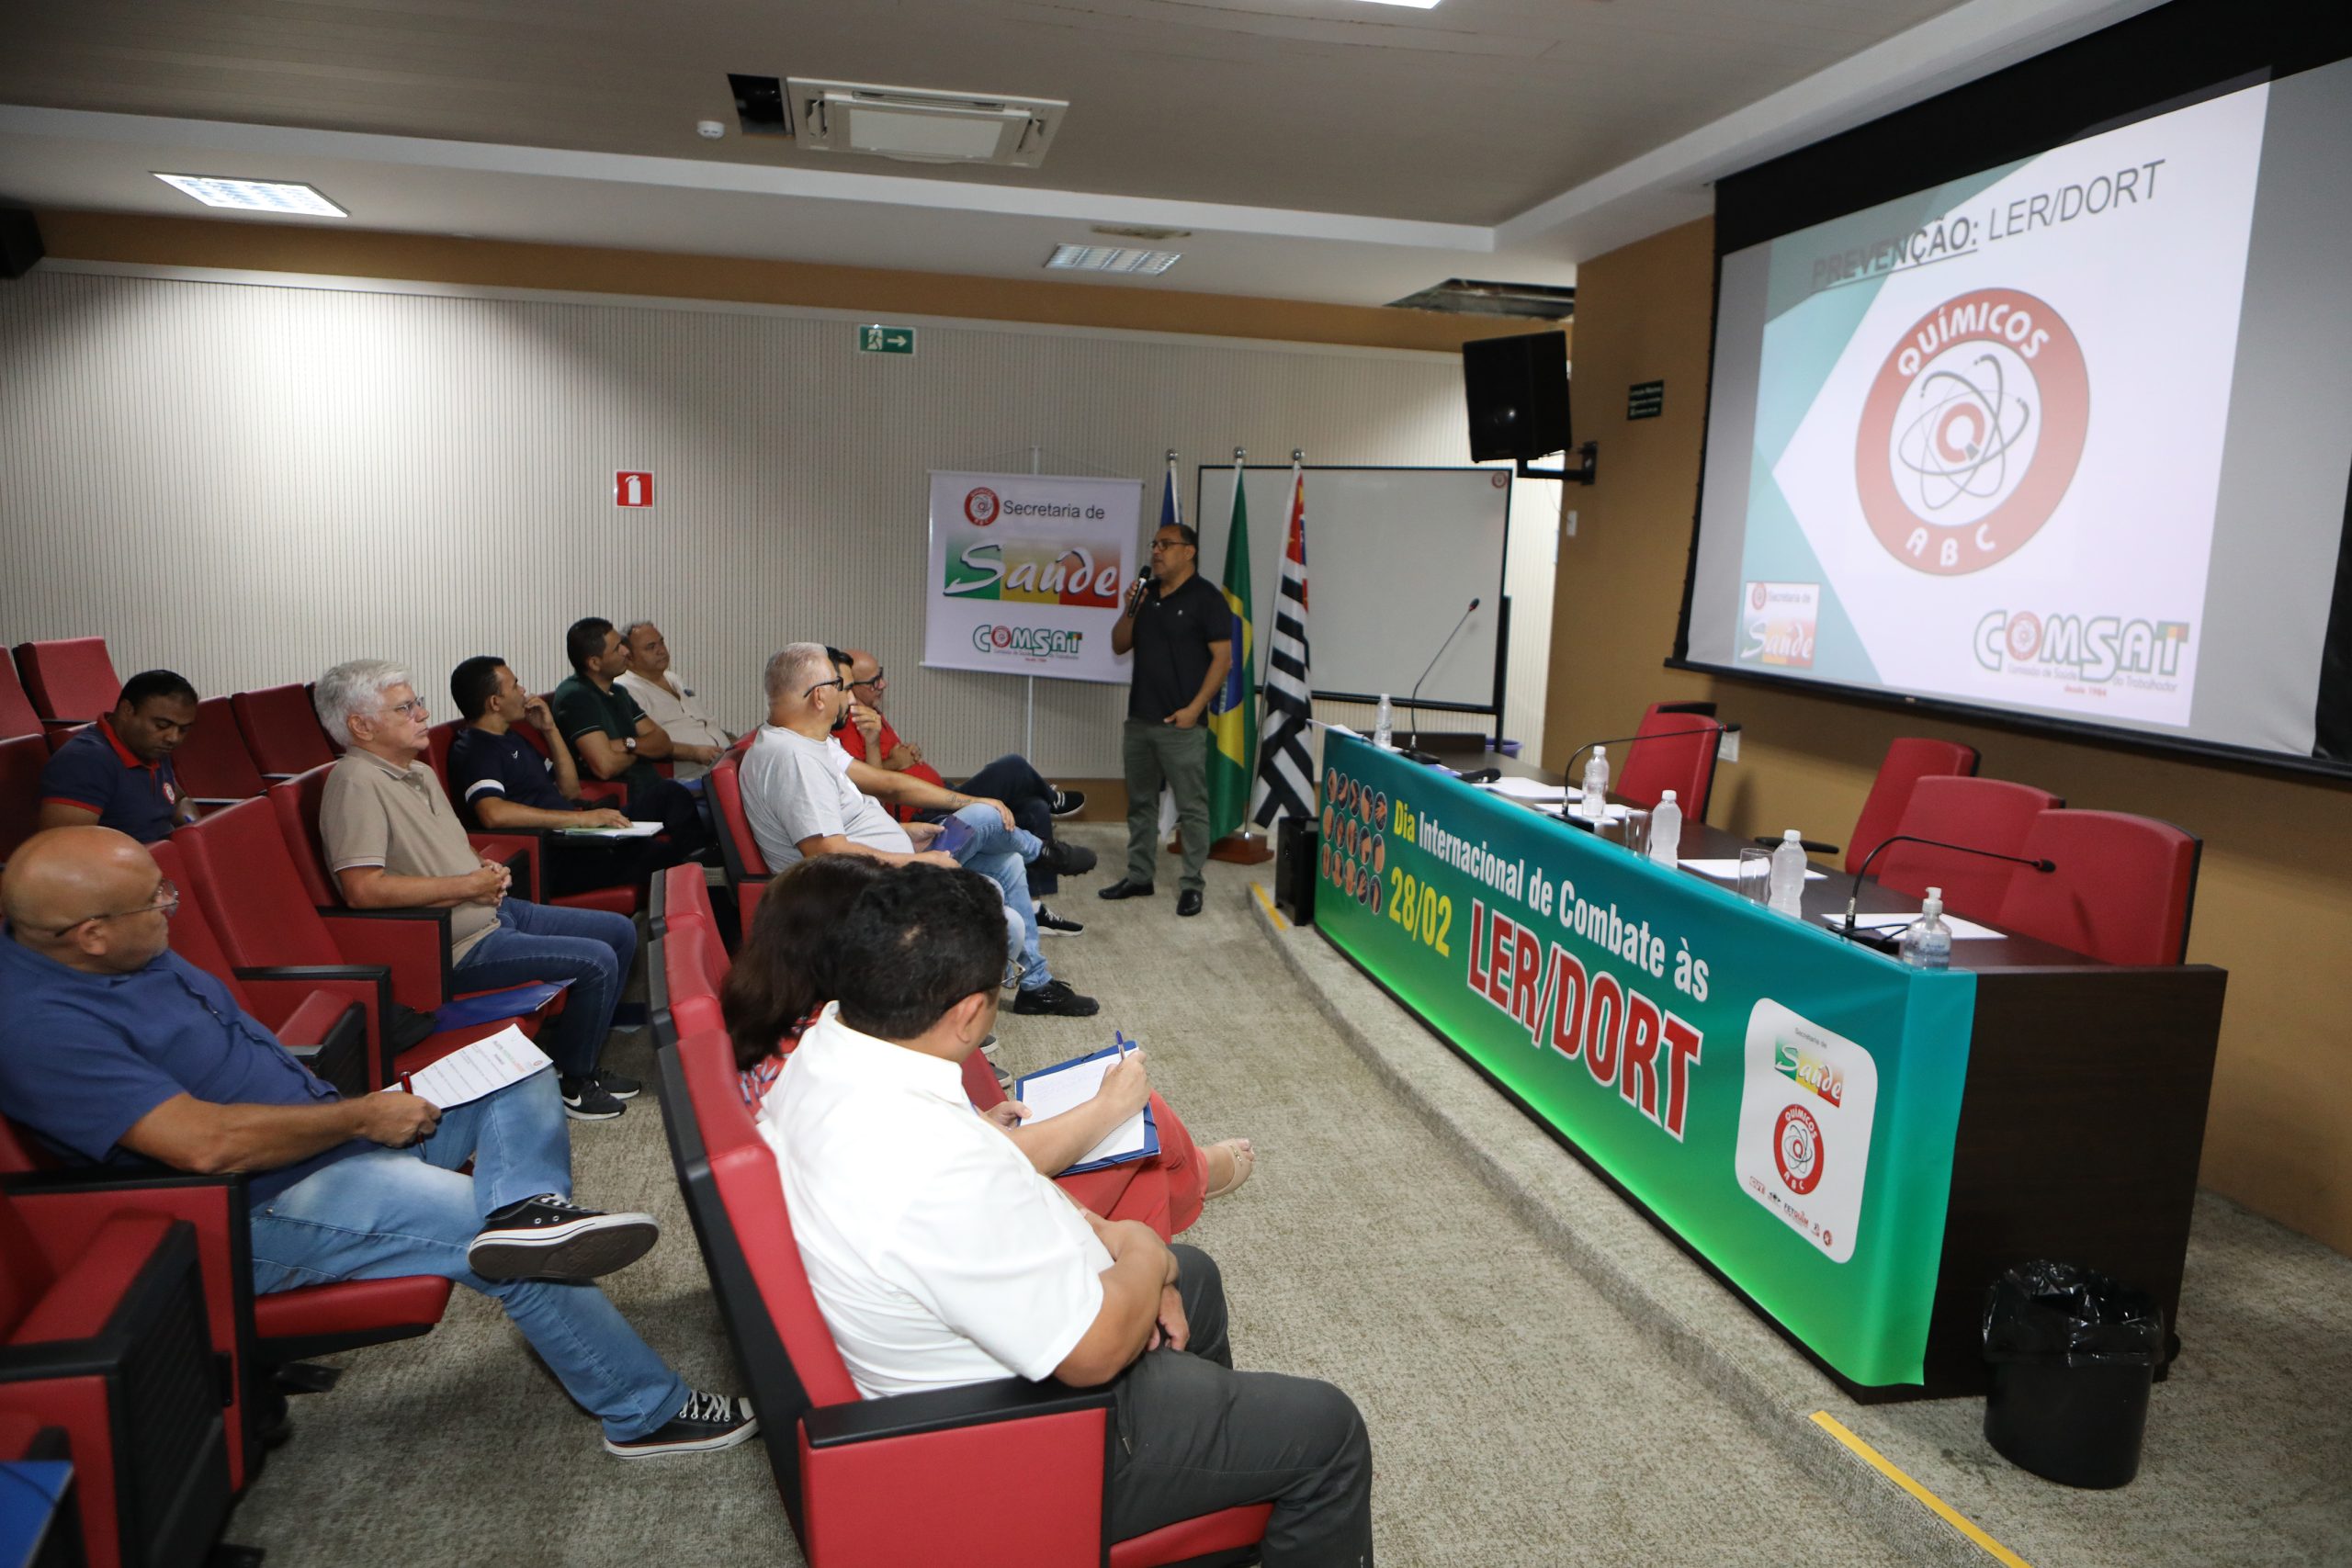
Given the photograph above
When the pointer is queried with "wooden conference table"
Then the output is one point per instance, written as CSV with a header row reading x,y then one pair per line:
x,y
1857,1148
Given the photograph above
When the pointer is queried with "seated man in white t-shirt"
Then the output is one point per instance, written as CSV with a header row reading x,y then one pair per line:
x,y
941,1258
804,796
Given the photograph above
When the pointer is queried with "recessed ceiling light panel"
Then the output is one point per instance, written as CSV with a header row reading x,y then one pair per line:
x,y
1112,258
254,196
1414,5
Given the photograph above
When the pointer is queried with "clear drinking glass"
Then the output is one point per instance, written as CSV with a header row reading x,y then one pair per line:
x,y
1755,882
1637,832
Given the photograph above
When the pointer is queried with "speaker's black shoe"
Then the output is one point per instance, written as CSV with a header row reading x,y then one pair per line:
x,y
1189,901
1122,888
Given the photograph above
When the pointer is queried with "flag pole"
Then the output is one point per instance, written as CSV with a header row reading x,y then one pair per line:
x,y
1242,846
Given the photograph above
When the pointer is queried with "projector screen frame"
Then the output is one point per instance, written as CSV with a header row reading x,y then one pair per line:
x,y
2161,61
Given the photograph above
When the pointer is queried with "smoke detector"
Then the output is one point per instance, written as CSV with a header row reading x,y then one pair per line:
x,y
917,125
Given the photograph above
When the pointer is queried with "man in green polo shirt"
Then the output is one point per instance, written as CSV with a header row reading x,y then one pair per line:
x,y
614,739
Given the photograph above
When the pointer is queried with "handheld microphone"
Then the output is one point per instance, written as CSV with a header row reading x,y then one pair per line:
x,y
1412,702
1854,895
1134,594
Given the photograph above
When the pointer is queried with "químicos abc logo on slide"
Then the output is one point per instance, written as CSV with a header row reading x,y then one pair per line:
x,y
1971,431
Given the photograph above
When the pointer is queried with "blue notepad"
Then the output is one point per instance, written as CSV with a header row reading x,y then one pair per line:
x,y
492,1006
1066,1084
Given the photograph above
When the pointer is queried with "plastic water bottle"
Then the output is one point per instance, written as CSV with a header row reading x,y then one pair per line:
x,y
1380,722
1788,874
1926,942
1665,831
1596,784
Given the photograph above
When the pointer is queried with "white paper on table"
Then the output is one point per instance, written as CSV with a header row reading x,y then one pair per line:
x,y
1530,790
1885,924
1728,871
1615,812
634,830
483,1067
1066,1089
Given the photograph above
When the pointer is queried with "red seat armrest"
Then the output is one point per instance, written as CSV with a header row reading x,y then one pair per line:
x,y
412,943
516,848
93,1284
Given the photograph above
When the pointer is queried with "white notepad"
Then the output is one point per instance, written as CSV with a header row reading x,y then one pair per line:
x,y
1728,871
634,830
483,1067
1895,925
1532,791
1066,1087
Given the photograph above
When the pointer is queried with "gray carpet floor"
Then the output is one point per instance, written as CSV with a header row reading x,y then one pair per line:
x,y
1521,1413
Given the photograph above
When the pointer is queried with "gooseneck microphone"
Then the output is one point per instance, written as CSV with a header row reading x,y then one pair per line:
x,y
1854,895
1413,702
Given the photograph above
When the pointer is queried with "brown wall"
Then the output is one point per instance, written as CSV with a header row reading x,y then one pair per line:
x,y
2274,900
495,264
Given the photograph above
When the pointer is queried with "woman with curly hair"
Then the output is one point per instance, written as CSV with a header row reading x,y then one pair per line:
x,y
776,988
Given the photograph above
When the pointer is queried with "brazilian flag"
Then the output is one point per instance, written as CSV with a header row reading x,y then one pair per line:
x,y
1233,710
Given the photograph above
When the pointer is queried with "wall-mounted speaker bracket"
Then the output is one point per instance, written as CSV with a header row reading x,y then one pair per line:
x,y
1587,467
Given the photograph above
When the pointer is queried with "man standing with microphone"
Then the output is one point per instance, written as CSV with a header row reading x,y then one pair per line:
x,y
1182,635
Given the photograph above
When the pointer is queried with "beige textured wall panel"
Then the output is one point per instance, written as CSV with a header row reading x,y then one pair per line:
x,y
248,483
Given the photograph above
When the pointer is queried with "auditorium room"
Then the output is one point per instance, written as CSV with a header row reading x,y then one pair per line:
x,y
1473,783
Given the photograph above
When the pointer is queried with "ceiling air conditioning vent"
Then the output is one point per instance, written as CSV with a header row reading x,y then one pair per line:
x,y
919,125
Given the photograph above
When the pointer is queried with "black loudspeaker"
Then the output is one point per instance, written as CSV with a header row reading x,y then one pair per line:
x,y
1518,391
1294,842
20,242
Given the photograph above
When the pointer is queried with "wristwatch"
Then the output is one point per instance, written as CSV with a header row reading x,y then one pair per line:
x,y
628,744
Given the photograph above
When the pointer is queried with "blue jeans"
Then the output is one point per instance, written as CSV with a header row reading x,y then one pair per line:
x,y
390,1212
1001,854
592,948
1030,798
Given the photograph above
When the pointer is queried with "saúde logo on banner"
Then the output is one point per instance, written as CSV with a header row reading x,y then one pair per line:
x,y
1971,431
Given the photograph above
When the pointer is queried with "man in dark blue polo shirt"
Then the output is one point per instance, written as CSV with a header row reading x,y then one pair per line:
x,y
615,741
115,1051
501,781
118,772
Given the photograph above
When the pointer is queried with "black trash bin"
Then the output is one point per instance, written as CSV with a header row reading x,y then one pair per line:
x,y
2073,1354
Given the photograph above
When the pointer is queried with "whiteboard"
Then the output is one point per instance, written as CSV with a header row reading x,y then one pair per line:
x,y
1393,556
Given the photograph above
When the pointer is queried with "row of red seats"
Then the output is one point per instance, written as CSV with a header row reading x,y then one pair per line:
x,y
868,1482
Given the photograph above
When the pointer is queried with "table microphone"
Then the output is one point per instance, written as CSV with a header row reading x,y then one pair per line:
x,y
1855,895
1413,702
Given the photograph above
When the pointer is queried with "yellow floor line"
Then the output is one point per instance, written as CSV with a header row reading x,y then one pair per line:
x,y
1272,913
1950,1515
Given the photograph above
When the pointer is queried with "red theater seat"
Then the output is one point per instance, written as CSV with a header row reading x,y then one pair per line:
x,y
747,869
1908,760
691,966
71,681
618,901
912,1478
245,878
1981,813
212,762
281,730
2122,890
17,715
105,1334
22,757
1684,763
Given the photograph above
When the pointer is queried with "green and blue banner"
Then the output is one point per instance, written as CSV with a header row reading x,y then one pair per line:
x,y
1785,1101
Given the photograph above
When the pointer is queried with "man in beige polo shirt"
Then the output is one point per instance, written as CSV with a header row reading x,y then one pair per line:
x,y
696,739
394,843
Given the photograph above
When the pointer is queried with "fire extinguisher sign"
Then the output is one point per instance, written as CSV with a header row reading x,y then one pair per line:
x,y
632,490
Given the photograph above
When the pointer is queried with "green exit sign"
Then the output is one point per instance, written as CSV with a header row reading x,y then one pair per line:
x,y
885,340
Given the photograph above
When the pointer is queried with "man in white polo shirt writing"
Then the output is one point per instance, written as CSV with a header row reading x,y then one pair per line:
x,y
941,1258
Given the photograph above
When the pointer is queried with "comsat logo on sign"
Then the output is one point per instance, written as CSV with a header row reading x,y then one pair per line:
x,y
1034,642
1971,431
2095,648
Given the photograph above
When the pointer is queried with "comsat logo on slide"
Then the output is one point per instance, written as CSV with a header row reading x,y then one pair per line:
x,y
1971,431
1037,642
2093,648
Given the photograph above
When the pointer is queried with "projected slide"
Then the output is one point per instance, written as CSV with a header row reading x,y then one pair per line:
x,y
1987,431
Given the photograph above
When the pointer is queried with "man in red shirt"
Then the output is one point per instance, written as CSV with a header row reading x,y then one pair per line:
x,y
865,734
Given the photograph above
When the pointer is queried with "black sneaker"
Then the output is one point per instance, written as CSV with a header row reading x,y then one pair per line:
x,y
987,1047
585,1100
1125,887
548,1238
1065,858
1003,1079
1051,924
1055,999
620,1086
1068,802
704,1424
